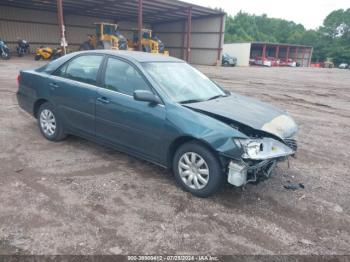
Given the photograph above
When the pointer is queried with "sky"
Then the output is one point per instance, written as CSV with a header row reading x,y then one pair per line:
x,y
309,13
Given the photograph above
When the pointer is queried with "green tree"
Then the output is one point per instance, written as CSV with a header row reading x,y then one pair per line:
x,y
331,40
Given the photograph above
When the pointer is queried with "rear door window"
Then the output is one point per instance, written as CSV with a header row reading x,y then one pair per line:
x,y
83,69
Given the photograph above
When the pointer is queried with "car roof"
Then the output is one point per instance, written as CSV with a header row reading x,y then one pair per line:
x,y
140,57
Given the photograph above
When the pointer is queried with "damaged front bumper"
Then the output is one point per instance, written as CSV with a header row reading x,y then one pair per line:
x,y
259,158
242,173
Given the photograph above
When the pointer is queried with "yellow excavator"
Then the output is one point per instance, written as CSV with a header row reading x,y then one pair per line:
x,y
149,43
107,37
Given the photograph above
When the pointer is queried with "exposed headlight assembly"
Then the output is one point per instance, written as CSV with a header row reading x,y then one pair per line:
x,y
264,148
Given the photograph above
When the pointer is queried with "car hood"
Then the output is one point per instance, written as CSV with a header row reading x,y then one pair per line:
x,y
249,112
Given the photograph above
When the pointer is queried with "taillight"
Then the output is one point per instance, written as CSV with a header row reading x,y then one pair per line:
x,y
19,78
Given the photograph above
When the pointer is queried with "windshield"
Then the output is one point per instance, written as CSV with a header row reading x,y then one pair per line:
x,y
182,82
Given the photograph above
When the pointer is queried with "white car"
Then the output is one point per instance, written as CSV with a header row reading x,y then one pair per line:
x,y
259,61
343,66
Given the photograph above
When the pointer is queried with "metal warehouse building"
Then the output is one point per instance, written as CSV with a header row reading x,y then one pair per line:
x,y
245,51
190,32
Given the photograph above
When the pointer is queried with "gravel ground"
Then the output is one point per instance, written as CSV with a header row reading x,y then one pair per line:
x,y
77,197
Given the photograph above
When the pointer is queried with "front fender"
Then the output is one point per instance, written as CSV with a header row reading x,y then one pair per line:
x,y
185,122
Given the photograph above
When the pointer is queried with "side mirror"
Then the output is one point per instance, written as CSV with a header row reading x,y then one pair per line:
x,y
227,92
146,96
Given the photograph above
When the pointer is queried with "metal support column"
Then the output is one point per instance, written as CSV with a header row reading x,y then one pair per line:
x,y
220,37
277,52
61,25
189,33
311,51
287,55
184,28
296,54
264,53
140,22
302,63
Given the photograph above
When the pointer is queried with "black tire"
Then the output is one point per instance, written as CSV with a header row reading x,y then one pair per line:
x,y
37,57
216,176
59,133
161,47
100,46
85,46
146,48
20,53
55,56
6,55
226,64
123,44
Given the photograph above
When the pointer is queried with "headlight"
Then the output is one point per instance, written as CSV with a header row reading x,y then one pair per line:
x,y
264,148
253,148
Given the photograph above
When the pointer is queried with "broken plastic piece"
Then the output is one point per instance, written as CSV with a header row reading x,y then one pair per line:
x,y
294,186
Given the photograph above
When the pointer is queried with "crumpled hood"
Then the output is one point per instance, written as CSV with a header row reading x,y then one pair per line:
x,y
250,112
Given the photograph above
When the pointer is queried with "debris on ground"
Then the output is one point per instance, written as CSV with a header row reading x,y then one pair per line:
x,y
306,242
293,186
302,197
115,250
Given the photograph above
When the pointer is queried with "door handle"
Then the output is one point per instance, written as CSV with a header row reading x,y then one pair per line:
x,y
103,100
53,86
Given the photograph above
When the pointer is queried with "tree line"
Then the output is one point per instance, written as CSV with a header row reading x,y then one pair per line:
x,y
331,41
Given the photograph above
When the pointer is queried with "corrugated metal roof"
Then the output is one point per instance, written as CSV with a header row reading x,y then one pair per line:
x,y
154,11
279,44
269,44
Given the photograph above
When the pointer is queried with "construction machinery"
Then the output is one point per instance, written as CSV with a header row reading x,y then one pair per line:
x,y
107,37
150,44
47,53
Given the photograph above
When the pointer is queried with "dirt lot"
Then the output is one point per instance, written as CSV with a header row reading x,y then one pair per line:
x,y
76,197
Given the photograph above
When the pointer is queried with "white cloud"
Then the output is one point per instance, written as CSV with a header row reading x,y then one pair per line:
x,y
310,13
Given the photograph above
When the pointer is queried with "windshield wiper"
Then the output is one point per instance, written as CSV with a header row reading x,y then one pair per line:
x,y
214,97
189,101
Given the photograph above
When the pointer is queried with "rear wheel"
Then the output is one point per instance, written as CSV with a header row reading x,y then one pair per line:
x,y
102,45
6,55
226,63
85,46
49,123
37,57
197,169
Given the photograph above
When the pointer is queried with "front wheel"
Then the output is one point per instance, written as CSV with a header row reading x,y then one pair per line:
x,y
49,123
85,46
6,55
197,170
226,63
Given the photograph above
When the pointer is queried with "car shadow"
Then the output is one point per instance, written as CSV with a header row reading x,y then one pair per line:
x,y
229,196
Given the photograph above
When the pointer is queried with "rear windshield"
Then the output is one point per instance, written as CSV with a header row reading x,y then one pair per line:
x,y
53,65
